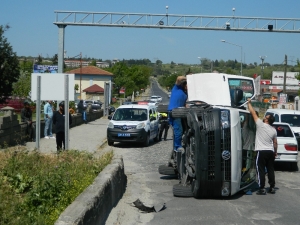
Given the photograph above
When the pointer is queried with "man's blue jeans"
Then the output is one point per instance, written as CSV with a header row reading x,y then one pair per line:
x,y
48,127
177,129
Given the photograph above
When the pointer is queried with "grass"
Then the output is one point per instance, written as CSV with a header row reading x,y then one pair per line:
x,y
36,188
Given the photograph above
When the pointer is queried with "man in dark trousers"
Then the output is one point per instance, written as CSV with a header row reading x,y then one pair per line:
x,y
164,125
266,148
59,122
26,116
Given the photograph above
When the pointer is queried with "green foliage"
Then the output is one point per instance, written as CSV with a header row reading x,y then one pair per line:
x,y
9,65
22,87
93,63
36,188
133,78
55,59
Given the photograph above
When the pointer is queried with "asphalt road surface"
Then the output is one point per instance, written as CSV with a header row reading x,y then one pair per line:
x,y
153,189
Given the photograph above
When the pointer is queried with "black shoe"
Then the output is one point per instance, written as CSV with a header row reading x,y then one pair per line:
x,y
165,139
271,190
261,192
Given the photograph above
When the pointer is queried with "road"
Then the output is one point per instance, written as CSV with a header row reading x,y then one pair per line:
x,y
145,183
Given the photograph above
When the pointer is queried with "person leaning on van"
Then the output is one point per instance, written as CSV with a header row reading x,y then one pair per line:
x,y
266,148
178,99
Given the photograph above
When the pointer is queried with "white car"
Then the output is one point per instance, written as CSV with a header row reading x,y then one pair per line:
x,y
155,98
292,117
287,150
133,123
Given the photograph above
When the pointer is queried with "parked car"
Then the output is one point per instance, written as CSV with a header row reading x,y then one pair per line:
x,y
96,105
292,117
156,98
133,123
287,150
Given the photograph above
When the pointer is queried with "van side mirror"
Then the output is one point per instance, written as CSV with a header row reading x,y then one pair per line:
x,y
236,96
109,117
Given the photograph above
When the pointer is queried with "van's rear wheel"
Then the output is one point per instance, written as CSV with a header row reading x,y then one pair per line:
x,y
182,191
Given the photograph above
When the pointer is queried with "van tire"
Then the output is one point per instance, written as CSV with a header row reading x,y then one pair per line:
x,y
166,170
179,112
147,141
182,191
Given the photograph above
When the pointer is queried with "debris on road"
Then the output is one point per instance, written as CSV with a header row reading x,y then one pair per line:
x,y
140,205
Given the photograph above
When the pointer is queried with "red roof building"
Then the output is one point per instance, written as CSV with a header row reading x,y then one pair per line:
x,y
91,80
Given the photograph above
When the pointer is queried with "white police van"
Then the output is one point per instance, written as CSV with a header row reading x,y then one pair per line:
x,y
133,123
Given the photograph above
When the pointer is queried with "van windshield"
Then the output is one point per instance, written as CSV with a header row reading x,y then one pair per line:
x,y
245,85
130,114
292,119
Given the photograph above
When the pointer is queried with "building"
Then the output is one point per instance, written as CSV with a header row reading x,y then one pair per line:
x,y
76,63
91,81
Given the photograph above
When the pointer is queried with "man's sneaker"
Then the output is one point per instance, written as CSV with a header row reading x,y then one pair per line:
x,y
271,190
261,192
47,137
52,137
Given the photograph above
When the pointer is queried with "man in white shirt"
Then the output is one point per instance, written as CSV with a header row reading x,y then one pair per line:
x,y
266,148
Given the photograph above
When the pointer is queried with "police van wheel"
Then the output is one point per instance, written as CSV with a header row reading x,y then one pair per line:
x,y
180,190
110,143
147,141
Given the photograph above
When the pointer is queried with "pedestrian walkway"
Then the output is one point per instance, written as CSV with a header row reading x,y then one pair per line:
x,y
86,137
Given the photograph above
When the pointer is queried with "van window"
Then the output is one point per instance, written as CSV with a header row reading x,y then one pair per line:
x,y
131,114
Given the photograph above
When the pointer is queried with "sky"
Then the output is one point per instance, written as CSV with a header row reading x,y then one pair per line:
x,y
33,33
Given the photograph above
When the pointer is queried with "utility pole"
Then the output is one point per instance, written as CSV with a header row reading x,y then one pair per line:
x,y
262,65
284,79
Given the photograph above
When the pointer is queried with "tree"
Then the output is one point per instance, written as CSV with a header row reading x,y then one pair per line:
x,y
39,61
55,59
9,65
22,87
93,63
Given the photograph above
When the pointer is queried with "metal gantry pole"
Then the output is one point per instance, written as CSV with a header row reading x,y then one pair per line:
x,y
67,112
38,114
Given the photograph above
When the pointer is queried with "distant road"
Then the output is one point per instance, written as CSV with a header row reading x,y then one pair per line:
x,y
155,90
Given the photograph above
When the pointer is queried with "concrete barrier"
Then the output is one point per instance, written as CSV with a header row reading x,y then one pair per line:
x,y
93,206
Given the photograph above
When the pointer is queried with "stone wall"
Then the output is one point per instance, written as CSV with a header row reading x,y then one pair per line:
x,y
13,132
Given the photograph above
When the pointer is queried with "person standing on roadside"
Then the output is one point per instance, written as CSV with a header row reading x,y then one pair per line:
x,y
48,114
59,122
82,110
164,125
266,148
178,99
26,116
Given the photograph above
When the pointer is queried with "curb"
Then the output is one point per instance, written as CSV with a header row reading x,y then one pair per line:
x,y
95,203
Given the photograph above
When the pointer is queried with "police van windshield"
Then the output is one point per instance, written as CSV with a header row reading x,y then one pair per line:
x,y
131,114
247,86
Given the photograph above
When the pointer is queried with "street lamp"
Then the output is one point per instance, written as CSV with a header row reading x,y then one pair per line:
x,y
262,58
241,53
167,7
200,63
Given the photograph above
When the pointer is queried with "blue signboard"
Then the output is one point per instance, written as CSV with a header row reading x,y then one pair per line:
x,y
45,68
